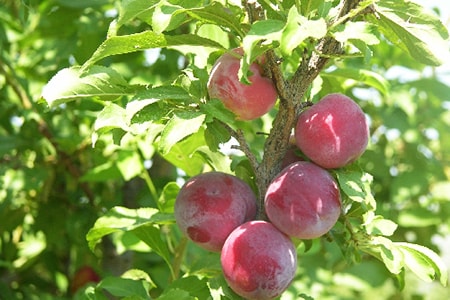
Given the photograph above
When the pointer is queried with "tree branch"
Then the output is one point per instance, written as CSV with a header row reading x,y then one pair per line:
x,y
291,92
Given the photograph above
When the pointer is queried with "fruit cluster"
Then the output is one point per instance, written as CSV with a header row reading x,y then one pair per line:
x,y
217,211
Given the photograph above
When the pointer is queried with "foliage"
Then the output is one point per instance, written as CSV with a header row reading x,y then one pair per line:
x,y
105,113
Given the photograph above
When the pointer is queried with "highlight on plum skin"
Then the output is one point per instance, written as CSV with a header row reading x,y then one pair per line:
x,y
211,205
246,101
333,132
258,261
303,201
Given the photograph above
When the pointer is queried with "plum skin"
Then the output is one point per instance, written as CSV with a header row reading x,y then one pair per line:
x,y
303,201
211,205
333,132
247,102
258,261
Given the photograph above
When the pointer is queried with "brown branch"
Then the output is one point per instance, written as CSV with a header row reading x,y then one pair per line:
x,y
291,93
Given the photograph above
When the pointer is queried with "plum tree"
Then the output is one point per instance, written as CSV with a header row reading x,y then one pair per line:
x,y
333,132
246,101
211,205
303,200
258,261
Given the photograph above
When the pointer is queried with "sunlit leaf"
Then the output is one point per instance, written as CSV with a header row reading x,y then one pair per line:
x,y
125,287
124,219
180,126
363,76
414,29
130,9
356,185
298,29
145,40
71,83
362,31
425,263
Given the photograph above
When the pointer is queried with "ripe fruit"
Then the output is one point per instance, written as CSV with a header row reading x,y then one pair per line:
x,y
83,276
258,261
247,102
210,206
303,201
333,132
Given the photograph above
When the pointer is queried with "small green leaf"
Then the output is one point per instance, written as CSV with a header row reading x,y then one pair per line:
x,y
217,14
129,164
425,263
298,29
111,116
151,235
214,109
215,135
184,156
71,83
176,294
180,126
386,251
197,288
413,29
356,185
377,225
366,77
130,9
167,198
125,287
266,31
362,31
124,219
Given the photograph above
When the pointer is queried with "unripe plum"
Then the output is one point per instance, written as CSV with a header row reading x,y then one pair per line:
x,y
333,132
211,205
247,102
258,261
303,201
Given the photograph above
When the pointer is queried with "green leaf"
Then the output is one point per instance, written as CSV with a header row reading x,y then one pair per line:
x,y
71,83
145,40
111,116
298,29
103,172
124,219
425,263
125,287
176,294
214,109
151,235
266,31
410,27
215,135
217,14
197,288
179,126
184,156
356,185
366,77
130,9
386,251
362,31
167,198
377,225
129,164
